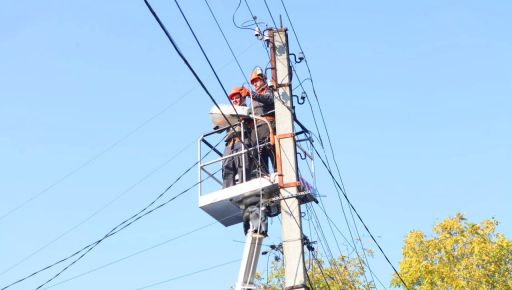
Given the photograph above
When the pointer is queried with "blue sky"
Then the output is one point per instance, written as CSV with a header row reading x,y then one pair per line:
x,y
416,95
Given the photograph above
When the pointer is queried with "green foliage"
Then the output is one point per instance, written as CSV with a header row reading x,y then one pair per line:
x,y
460,255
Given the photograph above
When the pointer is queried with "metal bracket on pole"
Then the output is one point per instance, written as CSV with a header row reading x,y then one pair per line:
x,y
284,85
279,161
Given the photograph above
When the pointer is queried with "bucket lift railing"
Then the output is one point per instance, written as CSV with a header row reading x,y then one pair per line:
x,y
202,166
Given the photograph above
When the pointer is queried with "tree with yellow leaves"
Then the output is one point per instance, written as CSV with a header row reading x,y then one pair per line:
x,y
460,255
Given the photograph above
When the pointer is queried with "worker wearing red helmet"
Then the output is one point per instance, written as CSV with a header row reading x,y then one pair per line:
x,y
233,166
263,103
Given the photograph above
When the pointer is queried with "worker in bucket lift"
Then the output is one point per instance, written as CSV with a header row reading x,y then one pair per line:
x,y
254,214
263,103
233,167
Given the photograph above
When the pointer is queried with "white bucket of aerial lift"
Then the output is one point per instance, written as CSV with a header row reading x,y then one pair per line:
x,y
218,119
224,204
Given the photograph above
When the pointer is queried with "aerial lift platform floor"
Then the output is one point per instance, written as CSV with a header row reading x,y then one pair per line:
x,y
224,205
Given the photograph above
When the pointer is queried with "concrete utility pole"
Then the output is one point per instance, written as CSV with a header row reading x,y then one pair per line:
x,y
293,249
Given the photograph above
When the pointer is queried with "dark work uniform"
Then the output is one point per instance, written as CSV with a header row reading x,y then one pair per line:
x,y
264,107
233,166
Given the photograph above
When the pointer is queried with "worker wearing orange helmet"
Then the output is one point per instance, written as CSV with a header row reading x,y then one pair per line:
x,y
262,99
234,166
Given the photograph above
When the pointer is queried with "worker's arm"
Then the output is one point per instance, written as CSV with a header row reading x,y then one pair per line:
x,y
267,98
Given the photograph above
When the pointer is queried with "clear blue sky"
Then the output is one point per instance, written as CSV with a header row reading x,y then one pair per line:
x,y
417,96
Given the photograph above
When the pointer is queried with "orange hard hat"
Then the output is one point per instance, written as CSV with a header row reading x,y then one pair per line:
x,y
257,74
237,91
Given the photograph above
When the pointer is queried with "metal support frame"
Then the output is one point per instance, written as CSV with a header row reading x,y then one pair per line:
x,y
249,262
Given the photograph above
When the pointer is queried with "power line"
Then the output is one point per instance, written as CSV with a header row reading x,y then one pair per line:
x,y
327,132
167,107
243,25
334,159
204,54
184,59
190,274
330,227
252,14
102,152
271,16
124,224
118,230
327,250
270,12
348,243
93,158
137,253
315,259
359,217
98,211
213,69
225,39
337,190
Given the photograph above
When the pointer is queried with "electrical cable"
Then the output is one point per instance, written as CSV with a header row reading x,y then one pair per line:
x,y
184,59
321,268
314,253
234,21
91,159
270,13
343,209
330,227
213,69
190,274
154,116
359,217
136,253
116,229
308,279
326,248
99,154
341,203
186,62
98,211
318,102
189,66
348,243
310,235
225,39
156,17
206,57
128,256
256,23
252,108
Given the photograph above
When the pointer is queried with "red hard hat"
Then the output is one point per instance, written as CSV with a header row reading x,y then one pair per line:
x,y
236,91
